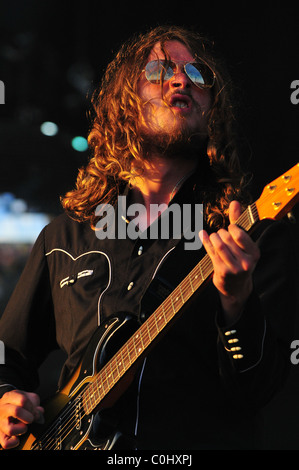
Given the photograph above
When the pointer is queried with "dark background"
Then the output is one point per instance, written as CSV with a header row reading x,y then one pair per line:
x,y
52,53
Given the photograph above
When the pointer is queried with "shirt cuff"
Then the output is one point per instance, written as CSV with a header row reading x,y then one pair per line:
x,y
6,388
243,340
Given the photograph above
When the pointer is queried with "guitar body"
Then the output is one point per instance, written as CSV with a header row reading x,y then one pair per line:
x,y
67,426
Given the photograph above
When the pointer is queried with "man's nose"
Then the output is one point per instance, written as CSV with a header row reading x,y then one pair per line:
x,y
180,80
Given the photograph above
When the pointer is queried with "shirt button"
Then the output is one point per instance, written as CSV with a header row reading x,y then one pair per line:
x,y
238,356
235,340
231,332
140,250
130,285
71,280
235,348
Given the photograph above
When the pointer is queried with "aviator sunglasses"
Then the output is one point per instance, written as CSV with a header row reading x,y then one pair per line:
x,y
200,74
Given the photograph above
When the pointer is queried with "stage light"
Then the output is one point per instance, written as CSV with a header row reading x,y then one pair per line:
x,y
49,128
80,144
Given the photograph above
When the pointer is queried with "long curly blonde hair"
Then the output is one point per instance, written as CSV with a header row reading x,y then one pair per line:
x,y
115,140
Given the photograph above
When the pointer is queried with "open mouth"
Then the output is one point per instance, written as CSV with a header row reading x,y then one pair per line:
x,y
180,104
180,101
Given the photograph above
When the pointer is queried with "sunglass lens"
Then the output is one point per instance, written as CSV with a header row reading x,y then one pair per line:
x,y
155,70
201,75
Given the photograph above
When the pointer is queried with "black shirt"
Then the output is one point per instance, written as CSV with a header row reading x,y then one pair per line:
x,y
191,390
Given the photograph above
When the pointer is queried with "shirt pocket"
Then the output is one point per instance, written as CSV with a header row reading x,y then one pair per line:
x,y
70,280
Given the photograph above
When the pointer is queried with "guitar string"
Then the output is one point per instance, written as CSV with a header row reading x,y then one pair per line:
x,y
205,264
181,286
152,324
70,413
50,438
113,369
55,425
146,329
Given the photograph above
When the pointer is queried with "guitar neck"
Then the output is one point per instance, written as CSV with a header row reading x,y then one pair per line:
x,y
132,350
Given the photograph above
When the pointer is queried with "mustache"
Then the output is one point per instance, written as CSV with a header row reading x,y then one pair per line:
x,y
179,92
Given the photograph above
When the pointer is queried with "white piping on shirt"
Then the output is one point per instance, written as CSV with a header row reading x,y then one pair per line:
x,y
84,254
8,385
262,351
161,261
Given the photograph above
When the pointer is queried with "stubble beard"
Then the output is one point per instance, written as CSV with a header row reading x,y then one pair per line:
x,y
179,142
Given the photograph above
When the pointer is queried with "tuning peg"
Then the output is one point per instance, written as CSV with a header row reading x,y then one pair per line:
x,y
276,205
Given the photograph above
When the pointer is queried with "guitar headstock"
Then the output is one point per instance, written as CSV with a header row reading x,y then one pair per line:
x,y
280,196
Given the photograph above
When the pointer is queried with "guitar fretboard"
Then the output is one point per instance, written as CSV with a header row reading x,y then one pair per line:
x,y
114,370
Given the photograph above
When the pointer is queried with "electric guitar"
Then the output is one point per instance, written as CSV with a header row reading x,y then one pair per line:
x,y
71,416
